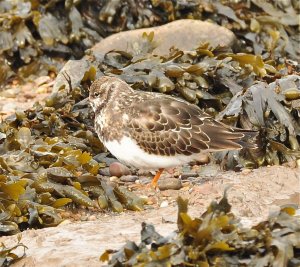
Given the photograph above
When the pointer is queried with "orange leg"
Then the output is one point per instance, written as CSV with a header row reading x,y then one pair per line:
x,y
156,177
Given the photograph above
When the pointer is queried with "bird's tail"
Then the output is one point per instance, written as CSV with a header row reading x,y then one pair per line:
x,y
249,138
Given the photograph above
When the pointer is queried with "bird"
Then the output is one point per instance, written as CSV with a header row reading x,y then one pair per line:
x,y
154,131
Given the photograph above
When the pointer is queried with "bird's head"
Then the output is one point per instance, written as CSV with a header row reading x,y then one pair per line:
x,y
102,90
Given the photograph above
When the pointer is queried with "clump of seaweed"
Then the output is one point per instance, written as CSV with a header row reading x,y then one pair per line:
x,y
7,255
46,162
36,35
216,238
275,108
250,92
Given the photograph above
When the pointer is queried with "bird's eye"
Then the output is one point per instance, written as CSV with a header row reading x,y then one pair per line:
x,y
96,94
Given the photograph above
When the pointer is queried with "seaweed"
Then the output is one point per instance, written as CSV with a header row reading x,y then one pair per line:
x,y
36,35
7,255
48,153
274,108
240,89
216,238
46,163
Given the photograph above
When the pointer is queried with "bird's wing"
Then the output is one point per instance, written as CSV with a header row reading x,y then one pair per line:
x,y
166,126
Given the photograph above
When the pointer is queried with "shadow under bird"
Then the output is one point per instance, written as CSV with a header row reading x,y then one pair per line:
x,y
148,130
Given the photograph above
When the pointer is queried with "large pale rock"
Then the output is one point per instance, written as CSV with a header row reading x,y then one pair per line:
x,y
184,34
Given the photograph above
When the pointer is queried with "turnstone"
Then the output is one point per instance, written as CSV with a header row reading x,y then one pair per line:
x,y
149,130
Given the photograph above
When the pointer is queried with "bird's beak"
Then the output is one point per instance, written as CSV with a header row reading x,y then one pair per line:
x,y
83,103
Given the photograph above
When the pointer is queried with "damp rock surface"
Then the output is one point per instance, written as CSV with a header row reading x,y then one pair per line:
x,y
173,34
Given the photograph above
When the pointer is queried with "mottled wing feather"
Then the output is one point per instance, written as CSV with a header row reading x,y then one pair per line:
x,y
167,126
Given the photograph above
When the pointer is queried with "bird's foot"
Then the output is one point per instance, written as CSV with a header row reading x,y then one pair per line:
x,y
156,178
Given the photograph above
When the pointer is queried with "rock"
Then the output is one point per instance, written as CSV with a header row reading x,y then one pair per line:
x,y
118,169
185,34
84,218
151,200
246,171
75,69
102,157
203,159
209,170
142,172
164,204
114,179
186,175
129,178
193,179
144,180
104,171
169,183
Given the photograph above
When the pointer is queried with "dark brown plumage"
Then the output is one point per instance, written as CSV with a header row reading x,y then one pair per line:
x,y
167,126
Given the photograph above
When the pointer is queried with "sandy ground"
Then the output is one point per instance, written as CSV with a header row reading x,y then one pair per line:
x,y
16,97
253,194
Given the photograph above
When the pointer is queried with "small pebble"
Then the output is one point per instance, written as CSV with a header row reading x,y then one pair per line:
x,y
113,179
102,157
185,189
186,175
203,159
104,171
145,180
118,169
129,178
151,200
246,171
164,204
84,218
143,172
169,183
186,169
192,179
209,171
186,184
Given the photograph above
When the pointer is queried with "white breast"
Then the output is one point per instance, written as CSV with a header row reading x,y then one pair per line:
x,y
128,152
